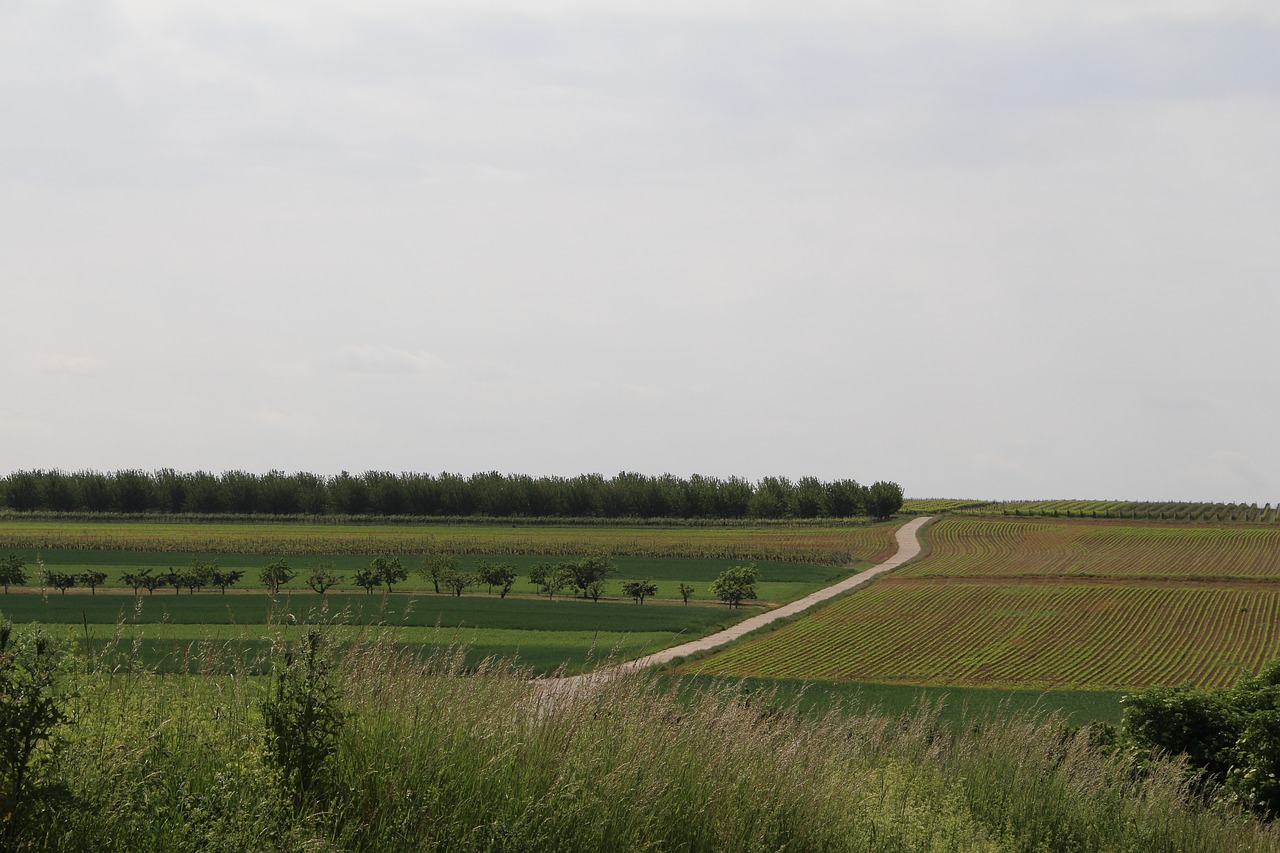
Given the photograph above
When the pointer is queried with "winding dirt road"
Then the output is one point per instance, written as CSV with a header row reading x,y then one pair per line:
x,y
908,549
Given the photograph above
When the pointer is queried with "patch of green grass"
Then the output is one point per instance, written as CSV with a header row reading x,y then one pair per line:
x,y
953,704
360,609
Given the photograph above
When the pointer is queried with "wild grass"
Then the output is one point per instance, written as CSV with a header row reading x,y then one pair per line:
x,y
435,754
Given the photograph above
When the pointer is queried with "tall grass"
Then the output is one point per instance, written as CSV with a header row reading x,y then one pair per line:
x,y
434,754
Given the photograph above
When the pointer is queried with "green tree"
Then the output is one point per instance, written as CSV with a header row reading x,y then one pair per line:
x,y
223,578
735,585
685,591
639,590
435,566
62,581
590,570
501,575
367,578
13,571
275,575
883,499
389,571
92,579
152,582
323,578
550,578
137,580
459,581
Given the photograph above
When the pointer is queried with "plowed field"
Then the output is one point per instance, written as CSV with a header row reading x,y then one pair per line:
x,y
1045,603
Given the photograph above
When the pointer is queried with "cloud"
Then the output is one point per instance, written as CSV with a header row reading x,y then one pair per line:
x,y
379,359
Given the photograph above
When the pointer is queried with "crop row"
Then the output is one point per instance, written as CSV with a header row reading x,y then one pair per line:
x,y
1133,510
1005,547
824,545
1029,635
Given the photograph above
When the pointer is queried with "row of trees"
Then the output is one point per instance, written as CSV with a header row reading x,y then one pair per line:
x,y
381,493
586,577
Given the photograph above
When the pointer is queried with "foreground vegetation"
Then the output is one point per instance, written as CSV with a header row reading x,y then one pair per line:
x,y
384,750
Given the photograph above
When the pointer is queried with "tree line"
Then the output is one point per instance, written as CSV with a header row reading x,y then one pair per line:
x,y
492,494
586,576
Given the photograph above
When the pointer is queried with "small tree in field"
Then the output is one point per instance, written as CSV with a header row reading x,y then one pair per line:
x,y
137,580
62,581
223,578
368,579
588,571
685,591
92,579
13,571
152,582
457,582
275,575
389,571
323,578
735,585
550,578
640,590
501,575
435,566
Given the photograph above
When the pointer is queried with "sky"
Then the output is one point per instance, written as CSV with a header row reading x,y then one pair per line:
x,y
983,248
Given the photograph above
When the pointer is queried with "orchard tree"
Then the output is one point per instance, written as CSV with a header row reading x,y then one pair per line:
x,y
13,571
151,582
275,575
685,591
323,578
62,581
173,579
640,590
138,580
501,575
223,578
435,566
368,579
588,571
735,585
389,572
92,579
550,577
459,581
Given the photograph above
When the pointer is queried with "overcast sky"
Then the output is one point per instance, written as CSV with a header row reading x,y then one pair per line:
x,y
990,249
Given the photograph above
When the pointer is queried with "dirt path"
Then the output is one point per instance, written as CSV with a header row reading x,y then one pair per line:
x,y
908,549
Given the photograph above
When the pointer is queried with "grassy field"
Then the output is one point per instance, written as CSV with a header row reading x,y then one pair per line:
x,y
1044,604
829,544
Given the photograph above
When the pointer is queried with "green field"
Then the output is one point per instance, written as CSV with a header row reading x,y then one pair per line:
x,y
825,543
